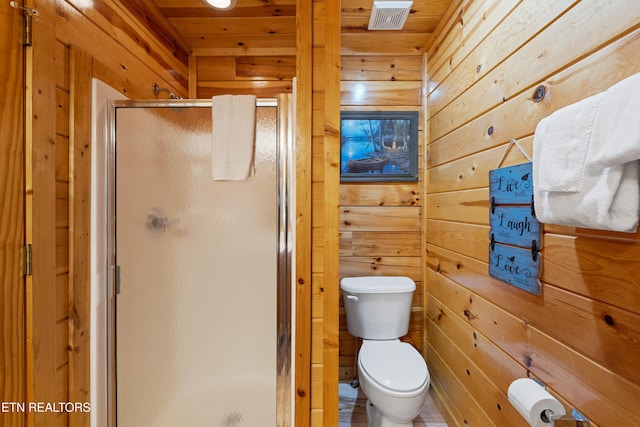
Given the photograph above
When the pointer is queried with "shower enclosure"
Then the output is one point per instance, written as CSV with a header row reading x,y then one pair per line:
x,y
199,270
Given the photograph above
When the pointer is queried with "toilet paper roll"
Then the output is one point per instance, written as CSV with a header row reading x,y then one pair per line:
x,y
531,400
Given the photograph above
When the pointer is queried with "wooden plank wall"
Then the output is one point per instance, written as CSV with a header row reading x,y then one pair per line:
x,y
12,297
325,198
248,50
329,205
263,76
262,69
317,215
303,254
105,41
109,42
46,340
63,202
580,337
380,223
111,46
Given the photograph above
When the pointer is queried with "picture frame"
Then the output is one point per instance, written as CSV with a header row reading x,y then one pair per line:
x,y
378,146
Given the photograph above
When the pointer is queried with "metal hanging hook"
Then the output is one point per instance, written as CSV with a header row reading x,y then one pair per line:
x,y
28,15
157,89
28,10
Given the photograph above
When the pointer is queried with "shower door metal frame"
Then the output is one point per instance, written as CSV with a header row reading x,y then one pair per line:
x,y
284,241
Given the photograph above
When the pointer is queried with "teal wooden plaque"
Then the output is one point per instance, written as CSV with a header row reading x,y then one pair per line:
x,y
514,225
512,185
515,231
515,266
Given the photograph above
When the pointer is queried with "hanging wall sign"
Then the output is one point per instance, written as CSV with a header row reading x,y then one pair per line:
x,y
514,225
512,185
515,266
515,231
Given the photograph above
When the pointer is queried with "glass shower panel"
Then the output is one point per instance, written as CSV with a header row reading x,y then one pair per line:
x,y
196,309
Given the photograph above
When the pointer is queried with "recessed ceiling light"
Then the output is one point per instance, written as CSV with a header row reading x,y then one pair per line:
x,y
222,4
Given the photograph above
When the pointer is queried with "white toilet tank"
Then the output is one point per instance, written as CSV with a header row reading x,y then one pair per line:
x,y
377,307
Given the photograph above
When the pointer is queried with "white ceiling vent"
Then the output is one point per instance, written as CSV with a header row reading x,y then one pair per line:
x,y
389,14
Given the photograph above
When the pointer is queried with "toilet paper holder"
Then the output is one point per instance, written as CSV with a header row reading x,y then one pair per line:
x,y
531,398
575,419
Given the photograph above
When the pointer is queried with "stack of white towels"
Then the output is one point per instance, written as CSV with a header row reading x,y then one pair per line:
x,y
586,161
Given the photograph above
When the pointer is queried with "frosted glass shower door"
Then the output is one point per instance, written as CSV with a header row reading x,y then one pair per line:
x,y
196,309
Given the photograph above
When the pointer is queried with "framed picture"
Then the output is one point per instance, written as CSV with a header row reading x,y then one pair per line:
x,y
378,146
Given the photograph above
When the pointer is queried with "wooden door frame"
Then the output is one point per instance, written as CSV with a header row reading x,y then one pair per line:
x,y
12,297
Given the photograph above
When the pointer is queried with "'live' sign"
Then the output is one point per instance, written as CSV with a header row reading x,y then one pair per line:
x,y
511,185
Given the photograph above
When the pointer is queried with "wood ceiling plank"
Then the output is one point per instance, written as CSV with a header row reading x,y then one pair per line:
x,y
227,26
413,24
156,23
243,51
242,4
248,12
419,7
267,28
242,41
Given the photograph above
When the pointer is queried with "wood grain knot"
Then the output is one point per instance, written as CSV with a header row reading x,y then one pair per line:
x,y
608,319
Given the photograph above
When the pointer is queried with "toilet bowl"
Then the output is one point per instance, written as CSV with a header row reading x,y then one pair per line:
x,y
395,379
393,374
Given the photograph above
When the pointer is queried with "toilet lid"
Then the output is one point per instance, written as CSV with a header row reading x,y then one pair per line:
x,y
395,365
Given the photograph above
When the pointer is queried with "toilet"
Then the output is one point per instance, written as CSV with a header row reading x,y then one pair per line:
x,y
393,374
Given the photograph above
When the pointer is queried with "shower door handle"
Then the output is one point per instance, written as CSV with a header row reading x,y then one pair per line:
x,y
157,221
115,274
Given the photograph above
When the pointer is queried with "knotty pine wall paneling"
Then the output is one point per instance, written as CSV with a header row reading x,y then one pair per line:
x,y
80,159
248,50
324,203
331,200
46,337
263,76
303,255
262,63
381,223
12,294
71,45
580,336
317,215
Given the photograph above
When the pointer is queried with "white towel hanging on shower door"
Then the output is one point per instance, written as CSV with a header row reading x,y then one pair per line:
x,y
233,137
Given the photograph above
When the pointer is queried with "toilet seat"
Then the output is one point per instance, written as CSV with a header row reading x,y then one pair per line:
x,y
393,365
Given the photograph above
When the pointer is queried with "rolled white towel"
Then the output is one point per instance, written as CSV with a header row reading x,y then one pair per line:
x,y
616,130
560,146
609,200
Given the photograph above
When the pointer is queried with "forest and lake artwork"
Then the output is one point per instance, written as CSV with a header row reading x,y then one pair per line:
x,y
378,146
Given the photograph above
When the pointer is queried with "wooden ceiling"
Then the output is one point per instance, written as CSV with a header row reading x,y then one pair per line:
x,y
267,27
413,39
